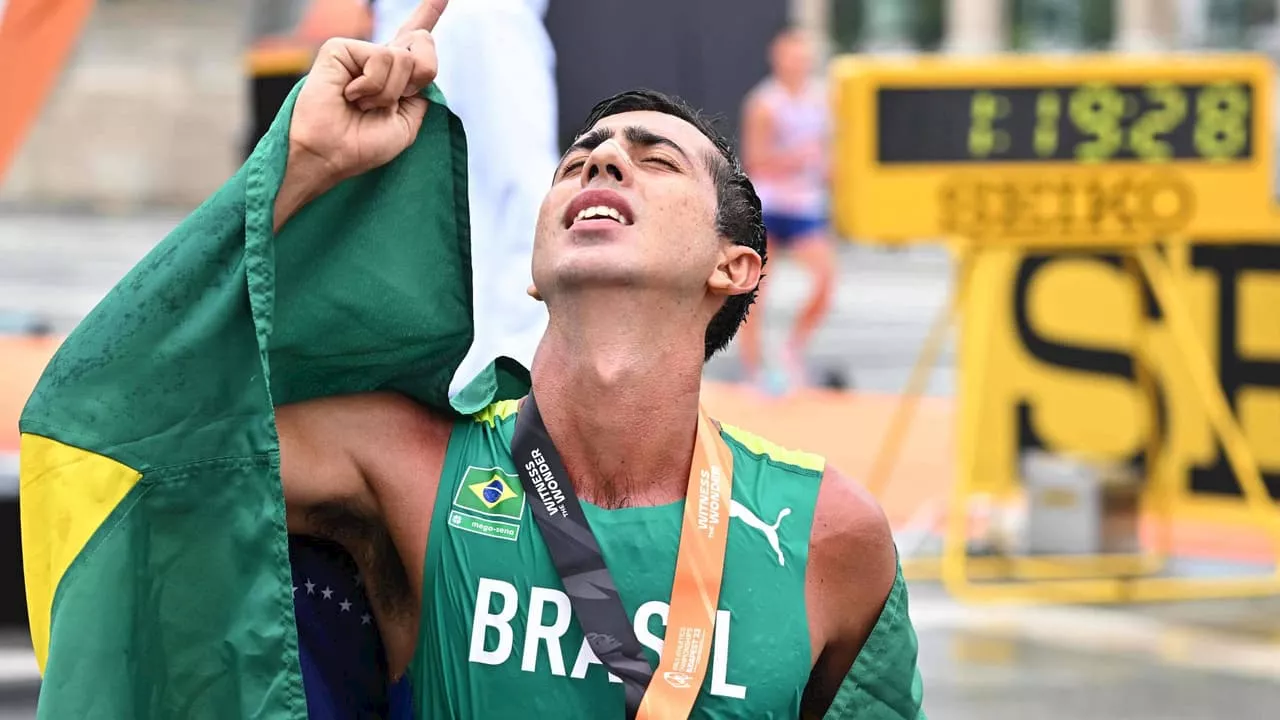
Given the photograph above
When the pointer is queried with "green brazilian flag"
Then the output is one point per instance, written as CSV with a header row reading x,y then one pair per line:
x,y
153,523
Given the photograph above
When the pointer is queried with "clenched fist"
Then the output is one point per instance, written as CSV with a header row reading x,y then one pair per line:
x,y
359,108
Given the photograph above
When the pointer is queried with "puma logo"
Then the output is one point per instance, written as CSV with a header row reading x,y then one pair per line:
x,y
770,532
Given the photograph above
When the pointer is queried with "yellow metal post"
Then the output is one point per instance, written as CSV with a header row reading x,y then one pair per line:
x,y
1221,418
904,412
1157,494
956,535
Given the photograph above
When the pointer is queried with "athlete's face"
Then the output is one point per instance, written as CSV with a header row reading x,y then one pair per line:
x,y
633,204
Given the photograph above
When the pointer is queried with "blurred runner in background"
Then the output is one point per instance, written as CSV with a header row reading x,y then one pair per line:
x,y
785,148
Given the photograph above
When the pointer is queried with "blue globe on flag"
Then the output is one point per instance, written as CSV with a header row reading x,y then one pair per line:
x,y
492,492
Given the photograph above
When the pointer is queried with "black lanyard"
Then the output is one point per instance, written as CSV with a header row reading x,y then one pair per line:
x,y
576,555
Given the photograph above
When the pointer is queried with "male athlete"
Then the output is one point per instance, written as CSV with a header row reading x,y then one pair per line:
x,y
785,150
648,249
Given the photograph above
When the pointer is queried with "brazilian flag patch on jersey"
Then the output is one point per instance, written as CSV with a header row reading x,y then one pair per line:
x,y
490,502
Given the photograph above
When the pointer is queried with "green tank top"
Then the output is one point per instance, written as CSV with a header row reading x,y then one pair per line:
x,y
497,637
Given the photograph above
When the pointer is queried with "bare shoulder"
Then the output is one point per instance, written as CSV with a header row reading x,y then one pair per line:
x,y
395,439
852,568
399,415
376,402
341,448
393,417
852,558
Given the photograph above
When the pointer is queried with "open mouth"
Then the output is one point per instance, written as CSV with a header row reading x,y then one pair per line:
x,y
599,207
601,212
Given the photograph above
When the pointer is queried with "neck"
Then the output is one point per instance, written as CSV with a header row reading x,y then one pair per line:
x,y
619,395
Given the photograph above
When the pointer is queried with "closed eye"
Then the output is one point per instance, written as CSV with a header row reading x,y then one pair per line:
x,y
573,167
664,162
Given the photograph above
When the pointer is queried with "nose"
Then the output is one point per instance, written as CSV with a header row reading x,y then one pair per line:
x,y
608,162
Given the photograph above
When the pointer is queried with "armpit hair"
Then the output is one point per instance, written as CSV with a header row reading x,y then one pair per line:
x,y
369,543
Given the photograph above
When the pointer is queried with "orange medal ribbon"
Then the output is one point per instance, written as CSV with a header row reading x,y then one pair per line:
x,y
695,594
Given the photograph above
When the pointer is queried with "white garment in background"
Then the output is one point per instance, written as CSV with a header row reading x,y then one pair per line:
x,y
497,71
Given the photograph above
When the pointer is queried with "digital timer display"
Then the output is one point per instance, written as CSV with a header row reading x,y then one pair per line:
x,y
1088,123
1093,150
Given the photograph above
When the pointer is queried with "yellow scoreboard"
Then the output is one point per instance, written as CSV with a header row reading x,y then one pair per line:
x,y
1049,151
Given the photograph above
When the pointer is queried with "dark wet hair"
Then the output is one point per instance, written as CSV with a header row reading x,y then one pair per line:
x,y
737,205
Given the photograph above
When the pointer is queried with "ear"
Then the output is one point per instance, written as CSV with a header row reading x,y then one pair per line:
x,y
533,292
737,272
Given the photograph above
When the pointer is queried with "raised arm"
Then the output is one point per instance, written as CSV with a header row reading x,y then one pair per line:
x,y
344,460
358,109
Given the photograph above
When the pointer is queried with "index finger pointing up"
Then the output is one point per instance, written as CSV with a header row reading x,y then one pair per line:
x,y
425,16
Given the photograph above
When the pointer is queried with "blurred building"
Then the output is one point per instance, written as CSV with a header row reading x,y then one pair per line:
x,y
146,77
149,75
967,26
683,47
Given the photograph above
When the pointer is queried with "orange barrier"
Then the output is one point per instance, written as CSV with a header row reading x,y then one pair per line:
x,y
847,428
36,36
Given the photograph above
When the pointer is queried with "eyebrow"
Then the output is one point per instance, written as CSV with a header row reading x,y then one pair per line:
x,y
634,134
